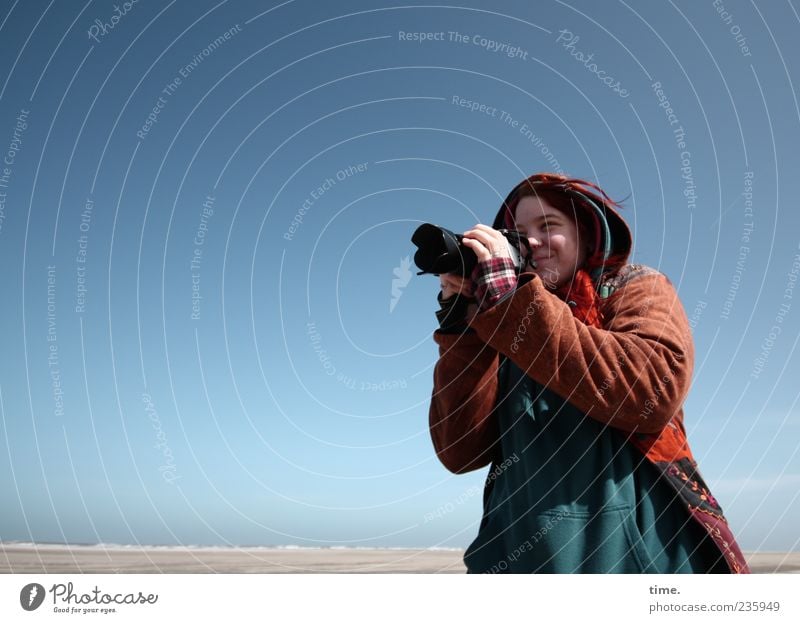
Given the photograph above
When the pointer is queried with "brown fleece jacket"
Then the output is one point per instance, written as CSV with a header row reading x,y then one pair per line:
x,y
633,374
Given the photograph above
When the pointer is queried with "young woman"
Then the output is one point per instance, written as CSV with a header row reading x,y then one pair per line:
x,y
568,379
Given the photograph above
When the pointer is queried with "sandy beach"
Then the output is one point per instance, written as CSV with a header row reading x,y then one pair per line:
x,y
29,558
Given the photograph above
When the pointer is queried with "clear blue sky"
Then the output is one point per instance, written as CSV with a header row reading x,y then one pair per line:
x,y
274,164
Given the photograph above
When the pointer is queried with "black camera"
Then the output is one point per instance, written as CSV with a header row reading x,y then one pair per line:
x,y
440,251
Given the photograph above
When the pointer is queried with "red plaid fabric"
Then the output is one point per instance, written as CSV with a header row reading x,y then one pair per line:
x,y
493,278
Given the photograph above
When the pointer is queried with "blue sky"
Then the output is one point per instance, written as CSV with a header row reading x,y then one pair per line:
x,y
273,164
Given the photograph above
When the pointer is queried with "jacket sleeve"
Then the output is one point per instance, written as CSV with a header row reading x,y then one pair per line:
x,y
633,374
462,423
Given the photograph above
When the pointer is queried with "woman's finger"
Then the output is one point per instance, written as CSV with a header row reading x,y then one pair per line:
x,y
477,247
492,242
453,283
487,234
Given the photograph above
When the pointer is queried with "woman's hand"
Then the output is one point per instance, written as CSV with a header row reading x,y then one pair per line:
x,y
452,284
487,242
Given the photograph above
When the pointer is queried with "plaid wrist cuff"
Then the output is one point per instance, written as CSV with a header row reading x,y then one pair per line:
x,y
493,278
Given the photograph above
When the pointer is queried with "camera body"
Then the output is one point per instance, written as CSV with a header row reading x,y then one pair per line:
x,y
440,251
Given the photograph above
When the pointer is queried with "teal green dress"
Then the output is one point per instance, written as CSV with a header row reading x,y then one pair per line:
x,y
567,494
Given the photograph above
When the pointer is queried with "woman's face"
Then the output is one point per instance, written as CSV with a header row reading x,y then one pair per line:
x,y
554,240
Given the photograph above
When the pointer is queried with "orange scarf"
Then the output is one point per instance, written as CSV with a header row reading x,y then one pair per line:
x,y
582,298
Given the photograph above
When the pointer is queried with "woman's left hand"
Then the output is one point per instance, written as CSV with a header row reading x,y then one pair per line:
x,y
486,242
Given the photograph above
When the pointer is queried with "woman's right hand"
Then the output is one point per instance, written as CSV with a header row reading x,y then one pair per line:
x,y
453,284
